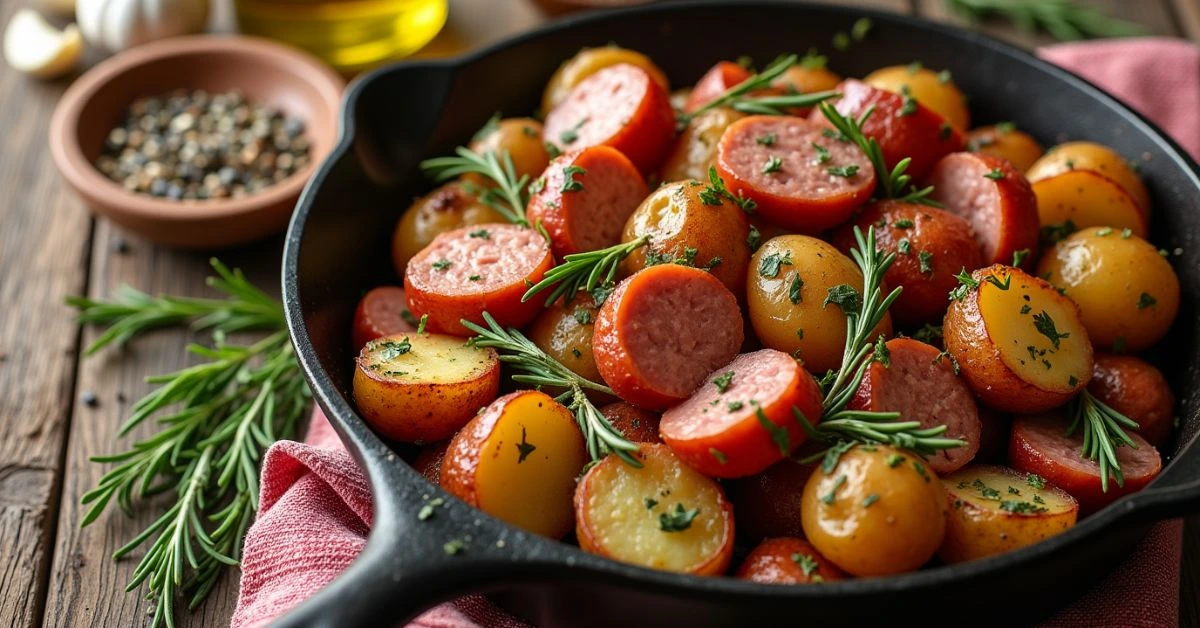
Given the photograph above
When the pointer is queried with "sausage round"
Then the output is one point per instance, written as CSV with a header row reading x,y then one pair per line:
x,y
380,313
1135,388
585,199
468,271
902,126
662,331
788,561
740,421
798,178
620,106
715,82
931,247
919,382
994,197
1039,444
636,424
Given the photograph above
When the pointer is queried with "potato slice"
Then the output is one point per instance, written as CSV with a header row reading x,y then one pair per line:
x,y
931,88
1075,156
1002,140
994,510
517,461
423,387
1084,198
1021,346
664,515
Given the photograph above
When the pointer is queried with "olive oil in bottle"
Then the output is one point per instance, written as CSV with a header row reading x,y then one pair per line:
x,y
350,35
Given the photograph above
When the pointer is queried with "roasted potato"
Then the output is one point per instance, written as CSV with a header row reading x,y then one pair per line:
x,y
663,515
521,138
423,387
589,61
1096,158
1137,389
564,332
683,229
429,461
788,281
1021,346
935,90
517,461
635,424
808,76
1128,294
877,511
994,510
444,209
788,561
1081,198
696,148
1005,141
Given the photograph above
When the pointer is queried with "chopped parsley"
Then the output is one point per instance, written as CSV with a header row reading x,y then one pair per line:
x,y
572,134
1146,300
843,171
844,296
716,453
914,67
807,563
407,316
774,164
881,353
723,381
1051,234
1023,508
569,182
1036,481
426,512
392,349
778,434
1019,256
474,278
794,288
945,131
1045,326
769,267
929,334
894,460
552,150
925,259
943,77
995,174
422,323
822,153
524,448
583,316
904,223
734,406
766,140
650,502
909,106
442,264
903,246
678,520
829,497
870,499
753,239
481,233
454,547
1005,127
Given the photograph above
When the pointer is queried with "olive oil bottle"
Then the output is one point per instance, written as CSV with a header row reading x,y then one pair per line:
x,y
350,35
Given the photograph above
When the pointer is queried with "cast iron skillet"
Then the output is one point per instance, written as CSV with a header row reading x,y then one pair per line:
x,y
339,242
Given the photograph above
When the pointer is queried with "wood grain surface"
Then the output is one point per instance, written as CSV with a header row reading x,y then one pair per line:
x,y
52,573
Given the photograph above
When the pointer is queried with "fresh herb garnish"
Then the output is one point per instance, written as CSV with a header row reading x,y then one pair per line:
x,y
723,380
743,97
1103,432
1045,326
807,563
1036,481
715,193
995,174
524,448
650,502
584,271
893,183
766,140
677,520
718,455
1019,257
480,233
831,496
822,153
570,135
845,297
774,164
753,239
843,171
925,260
794,288
570,184
1146,300
442,265
770,264
508,197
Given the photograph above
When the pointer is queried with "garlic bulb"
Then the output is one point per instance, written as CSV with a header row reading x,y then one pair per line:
x,y
116,25
33,46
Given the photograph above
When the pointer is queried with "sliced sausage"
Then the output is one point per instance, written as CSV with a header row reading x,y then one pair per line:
x,y
381,312
662,331
740,421
788,561
919,382
1135,388
994,197
798,177
636,424
902,126
468,271
715,82
1039,444
585,199
620,106
931,247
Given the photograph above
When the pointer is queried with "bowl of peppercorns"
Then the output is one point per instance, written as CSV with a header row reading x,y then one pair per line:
x,y
197,142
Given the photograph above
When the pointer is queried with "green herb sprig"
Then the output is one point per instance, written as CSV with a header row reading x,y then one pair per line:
x,y
738,97
510,195
583,271
1062,19
893,183
217,418
1103,432
537,368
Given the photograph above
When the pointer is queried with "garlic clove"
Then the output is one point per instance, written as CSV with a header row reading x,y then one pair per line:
x,y
35,47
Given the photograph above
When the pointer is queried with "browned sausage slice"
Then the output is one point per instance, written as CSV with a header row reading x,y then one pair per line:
x,y
995,197
919,382
381,312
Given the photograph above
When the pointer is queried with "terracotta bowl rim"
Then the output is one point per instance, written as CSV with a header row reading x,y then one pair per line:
x,y
81,174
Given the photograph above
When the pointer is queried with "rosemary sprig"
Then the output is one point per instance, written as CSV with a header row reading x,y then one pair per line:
x,y
510,195
738,97
537,368
893,183
1102,434
1062,19
583,271
216,419
876,427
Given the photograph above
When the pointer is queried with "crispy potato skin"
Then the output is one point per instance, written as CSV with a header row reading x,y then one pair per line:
x,y
564,332
768,504
696,148
1135,388
444,209
589,61
1096,158
522,138
771,562
927,87
1018,147
966,336
602,487
896,531
806,80
1128,294
975,529
421,410
485,467
1087,199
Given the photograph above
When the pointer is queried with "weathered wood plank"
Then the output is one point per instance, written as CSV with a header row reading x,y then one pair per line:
x,y
44,241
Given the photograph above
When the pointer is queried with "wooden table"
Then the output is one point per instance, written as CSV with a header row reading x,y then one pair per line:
x,y
53,573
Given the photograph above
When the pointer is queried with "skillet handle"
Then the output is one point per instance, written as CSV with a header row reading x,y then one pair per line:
x,y
1176,493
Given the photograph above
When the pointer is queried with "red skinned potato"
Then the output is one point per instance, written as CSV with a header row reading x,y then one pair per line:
x,y
564,332
583,199
663,515
380,313
715,82
524,448
521,138
468,271
768,503
788,561
931,247
446,208
636,424
1020,345
797,177
429,461
902,126
1004,140
619,106
921,383
1040,444
995,198
650,354
740,421
423,387
1135,388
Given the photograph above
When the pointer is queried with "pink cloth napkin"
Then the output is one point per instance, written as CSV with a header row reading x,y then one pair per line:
x,y
316,505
